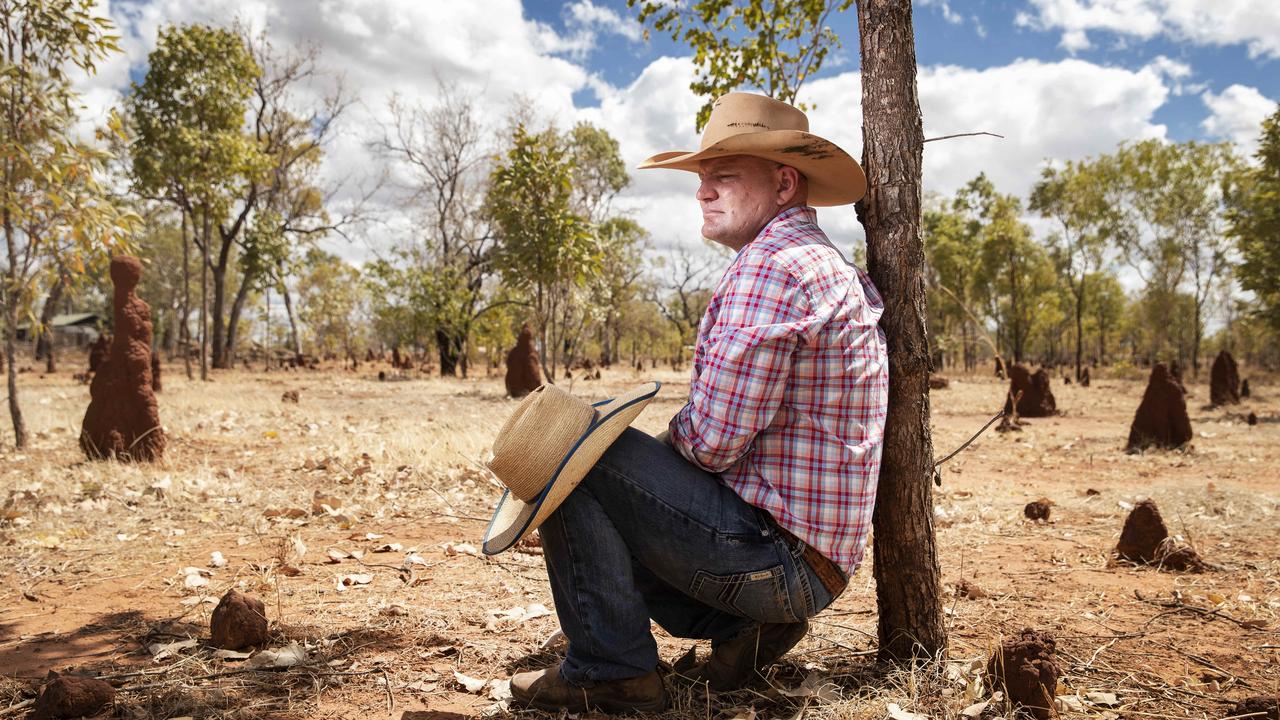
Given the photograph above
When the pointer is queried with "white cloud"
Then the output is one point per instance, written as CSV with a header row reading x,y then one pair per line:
x,y
944,7
1045,110
588,14
1252,23
1236,114
380,47
1066,109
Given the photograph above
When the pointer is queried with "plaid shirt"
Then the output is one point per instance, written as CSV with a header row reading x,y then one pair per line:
x,y
790,385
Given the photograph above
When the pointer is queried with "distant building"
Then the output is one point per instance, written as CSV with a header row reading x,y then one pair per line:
x,y
69,330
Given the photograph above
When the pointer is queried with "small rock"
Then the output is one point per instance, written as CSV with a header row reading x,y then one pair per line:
x,y
70,696
239,621
1267,708
1253,418
1038,510
969,591
290,396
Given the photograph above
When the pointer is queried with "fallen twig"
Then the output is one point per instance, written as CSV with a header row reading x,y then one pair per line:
x,y
15,708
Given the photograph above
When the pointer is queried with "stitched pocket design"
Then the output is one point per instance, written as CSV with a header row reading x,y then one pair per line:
x,y
760,595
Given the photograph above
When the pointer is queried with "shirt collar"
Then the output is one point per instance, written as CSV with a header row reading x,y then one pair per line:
x,y
801,213
797,214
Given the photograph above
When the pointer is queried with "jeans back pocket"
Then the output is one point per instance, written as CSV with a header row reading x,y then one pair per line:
x,y
760,595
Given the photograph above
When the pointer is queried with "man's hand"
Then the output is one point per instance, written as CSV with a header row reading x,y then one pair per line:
x,y
664,436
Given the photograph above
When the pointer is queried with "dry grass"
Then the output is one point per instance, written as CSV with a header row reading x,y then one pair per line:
x,y
93,556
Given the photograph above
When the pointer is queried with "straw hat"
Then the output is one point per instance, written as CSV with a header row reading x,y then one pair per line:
x,y
756,125
545,449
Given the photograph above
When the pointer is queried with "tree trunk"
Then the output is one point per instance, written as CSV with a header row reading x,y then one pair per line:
x,y
294,345
11,332
219,329
204,300
233,324
44,343
11,369
449,347
1080,331
1195,343
908,590
184,337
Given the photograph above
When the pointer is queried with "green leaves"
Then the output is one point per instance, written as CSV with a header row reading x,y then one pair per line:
x,y
1253,197
189,115
773,45
544,242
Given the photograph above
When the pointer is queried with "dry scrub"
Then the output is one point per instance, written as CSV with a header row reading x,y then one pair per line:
x,y
354,515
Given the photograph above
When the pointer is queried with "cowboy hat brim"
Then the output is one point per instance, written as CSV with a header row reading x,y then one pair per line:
x,y
514,518
834,177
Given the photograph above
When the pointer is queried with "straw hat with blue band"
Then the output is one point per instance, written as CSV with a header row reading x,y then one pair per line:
x,y
545,449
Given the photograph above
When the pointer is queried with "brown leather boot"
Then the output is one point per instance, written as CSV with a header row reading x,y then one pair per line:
x,y
546,690
737,661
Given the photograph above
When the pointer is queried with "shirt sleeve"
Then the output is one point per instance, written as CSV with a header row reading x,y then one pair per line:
x,y
745,362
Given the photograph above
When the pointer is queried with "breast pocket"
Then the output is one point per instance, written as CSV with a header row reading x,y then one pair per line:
x,y
761,595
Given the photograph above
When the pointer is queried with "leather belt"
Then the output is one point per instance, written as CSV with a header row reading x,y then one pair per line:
x,y
832,577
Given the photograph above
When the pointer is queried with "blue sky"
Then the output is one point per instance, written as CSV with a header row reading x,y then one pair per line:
x,y
976,35
1058,79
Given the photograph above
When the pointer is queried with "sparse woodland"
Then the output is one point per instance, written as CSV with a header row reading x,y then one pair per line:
x,y
351,506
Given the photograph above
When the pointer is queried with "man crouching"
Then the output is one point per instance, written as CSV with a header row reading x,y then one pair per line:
x,y
748,515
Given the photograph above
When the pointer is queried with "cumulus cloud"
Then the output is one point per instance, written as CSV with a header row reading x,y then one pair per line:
x,y
944,7
585,13
380,48
1236,114
492,52
1252,23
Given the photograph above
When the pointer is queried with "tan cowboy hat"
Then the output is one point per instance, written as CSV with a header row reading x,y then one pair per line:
x,y
756,125
545,449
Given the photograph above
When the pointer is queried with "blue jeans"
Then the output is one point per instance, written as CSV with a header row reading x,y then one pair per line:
x,y
649,535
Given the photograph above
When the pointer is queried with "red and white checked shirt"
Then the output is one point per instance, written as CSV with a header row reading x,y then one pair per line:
x,y
790,385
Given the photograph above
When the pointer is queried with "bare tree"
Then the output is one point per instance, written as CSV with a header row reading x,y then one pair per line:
x,y
443,150
285,204
681,296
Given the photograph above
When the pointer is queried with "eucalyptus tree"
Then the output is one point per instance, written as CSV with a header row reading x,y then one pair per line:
x,y
56,215
191,149
1171,228
1254,218
545,248
953,274
1073,197
774,45
443,152
284,207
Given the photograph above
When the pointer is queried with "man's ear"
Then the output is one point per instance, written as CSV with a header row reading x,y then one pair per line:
x,y
789,183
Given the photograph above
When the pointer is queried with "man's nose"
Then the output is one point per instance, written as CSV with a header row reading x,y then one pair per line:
x,y
704,192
